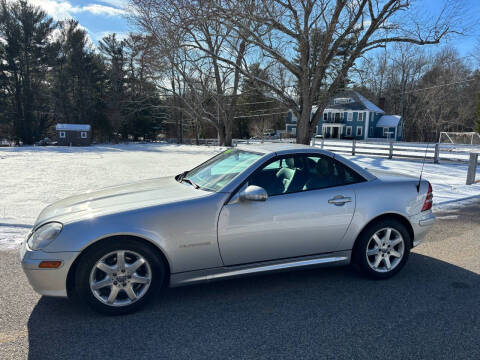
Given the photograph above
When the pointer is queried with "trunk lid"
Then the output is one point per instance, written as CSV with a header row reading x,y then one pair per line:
x,y
388,176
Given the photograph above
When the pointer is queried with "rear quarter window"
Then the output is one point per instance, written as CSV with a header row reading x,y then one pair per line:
x,y
345,175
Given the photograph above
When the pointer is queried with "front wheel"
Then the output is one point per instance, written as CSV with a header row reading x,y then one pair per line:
x,y
382,249
118,276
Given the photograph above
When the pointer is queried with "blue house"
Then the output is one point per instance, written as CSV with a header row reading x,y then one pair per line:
x,y
350,115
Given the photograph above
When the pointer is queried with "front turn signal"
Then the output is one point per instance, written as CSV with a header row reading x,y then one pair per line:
x,y
50,264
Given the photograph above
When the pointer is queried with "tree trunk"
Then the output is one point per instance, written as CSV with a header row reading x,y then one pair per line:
x,y
304,127
221,134
303,130
197,132
180,128
228,134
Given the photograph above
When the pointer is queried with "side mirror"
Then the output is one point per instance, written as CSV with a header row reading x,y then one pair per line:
x,y
253,193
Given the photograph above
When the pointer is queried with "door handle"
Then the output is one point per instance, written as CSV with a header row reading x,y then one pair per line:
x,y
340,200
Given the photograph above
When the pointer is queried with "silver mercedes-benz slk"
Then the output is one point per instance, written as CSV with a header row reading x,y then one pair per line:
x,y
248,210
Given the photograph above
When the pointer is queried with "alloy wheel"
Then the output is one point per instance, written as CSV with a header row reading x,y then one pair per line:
x,y
120,278
385,250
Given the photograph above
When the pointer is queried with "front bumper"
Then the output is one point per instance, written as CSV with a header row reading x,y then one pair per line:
x,y
49,282
421,224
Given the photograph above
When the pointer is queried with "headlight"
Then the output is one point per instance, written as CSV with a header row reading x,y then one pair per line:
x,y
44,235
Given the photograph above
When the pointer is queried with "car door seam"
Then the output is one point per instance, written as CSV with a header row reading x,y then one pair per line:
x,y
218,237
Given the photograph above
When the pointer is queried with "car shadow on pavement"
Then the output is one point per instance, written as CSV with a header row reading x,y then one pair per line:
x,y
429,310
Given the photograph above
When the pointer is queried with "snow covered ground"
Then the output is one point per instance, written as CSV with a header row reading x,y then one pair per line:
x,y
33,177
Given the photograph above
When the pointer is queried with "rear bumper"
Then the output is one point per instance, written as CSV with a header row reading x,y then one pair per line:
x,y
49,282
421,224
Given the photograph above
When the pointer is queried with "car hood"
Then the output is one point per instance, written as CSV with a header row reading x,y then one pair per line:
x,y
118,199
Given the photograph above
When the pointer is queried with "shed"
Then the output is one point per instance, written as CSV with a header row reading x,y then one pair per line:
x,y
74,134
389,126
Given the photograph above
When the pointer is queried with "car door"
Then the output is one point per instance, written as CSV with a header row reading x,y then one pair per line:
x,y
296,221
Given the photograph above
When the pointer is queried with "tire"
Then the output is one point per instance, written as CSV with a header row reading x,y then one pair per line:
x,y
101,283
382,260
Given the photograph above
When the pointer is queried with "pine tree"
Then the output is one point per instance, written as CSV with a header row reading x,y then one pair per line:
x,y
113,51
79,79
26,55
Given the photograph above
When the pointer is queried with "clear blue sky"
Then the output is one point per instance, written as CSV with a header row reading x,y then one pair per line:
x,y
101,17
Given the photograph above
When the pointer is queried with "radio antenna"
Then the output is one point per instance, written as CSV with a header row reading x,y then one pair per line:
x,y
421,172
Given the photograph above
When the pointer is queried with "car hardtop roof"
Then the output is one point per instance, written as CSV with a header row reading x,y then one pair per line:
x,y
289,148
281,148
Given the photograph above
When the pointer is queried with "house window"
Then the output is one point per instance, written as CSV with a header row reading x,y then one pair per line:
x,y
61,134
342,100
325,116
359,131
338,117
348,131
349,116
387,133
83,134
361,116
291,118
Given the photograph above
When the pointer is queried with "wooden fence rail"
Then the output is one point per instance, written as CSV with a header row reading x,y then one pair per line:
x,y
432,152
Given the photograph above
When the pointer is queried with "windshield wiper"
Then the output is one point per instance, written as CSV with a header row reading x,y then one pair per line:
x,y
180,177
190,182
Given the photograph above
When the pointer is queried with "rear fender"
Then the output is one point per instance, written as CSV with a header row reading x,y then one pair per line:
x,y
376,199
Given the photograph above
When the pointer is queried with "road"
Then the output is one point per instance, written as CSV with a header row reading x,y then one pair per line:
x,y
429,310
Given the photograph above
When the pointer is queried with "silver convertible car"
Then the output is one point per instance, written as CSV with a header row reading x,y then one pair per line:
x,y
248,210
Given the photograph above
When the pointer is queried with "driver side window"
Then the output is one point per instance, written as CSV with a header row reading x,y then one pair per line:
x,y
296,173
268,177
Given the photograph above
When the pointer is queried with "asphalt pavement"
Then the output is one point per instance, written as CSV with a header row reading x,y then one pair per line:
x,y
430,310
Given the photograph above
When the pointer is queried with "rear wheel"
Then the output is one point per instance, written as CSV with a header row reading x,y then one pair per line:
x,y
119,276
382,249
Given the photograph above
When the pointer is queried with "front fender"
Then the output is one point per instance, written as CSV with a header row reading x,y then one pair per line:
x,y
186,232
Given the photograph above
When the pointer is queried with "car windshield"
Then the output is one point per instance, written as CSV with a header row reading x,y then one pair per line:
x,y
217,172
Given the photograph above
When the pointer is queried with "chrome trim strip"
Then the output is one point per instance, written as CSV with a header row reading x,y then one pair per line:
x,y
222,273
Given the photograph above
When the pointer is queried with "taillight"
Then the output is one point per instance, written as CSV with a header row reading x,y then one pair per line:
x,y
427,205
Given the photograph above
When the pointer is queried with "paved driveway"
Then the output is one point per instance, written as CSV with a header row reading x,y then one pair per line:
x,y
430,310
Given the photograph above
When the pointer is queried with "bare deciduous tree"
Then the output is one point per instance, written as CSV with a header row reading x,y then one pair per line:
x,y
393,74
319,41
433,93
193,29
